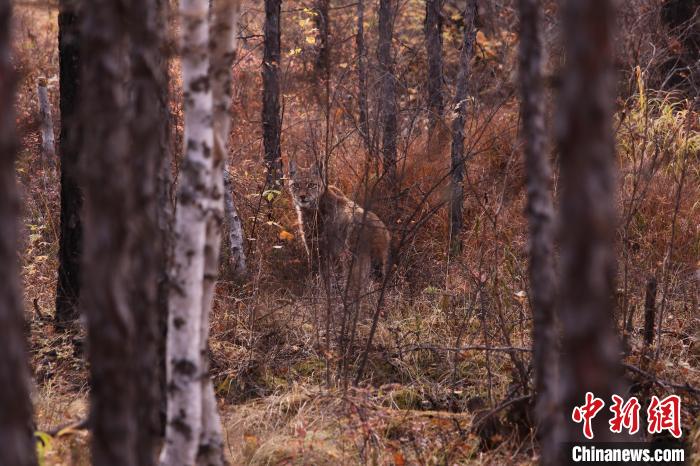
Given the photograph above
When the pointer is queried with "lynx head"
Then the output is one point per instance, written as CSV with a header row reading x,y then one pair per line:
x,y
307,185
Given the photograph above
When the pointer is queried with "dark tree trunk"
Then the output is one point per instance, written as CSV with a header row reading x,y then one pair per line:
x,y
540,214
70,244
110,215
433,45
460,105
271,118
590,359
165,209
387,104
649,312
362,78
323,52
149,126
16,438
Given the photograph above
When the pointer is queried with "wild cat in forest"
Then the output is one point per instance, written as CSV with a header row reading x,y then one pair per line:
x,y
335,229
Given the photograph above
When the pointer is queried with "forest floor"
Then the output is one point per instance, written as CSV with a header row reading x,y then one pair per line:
x,y
281,398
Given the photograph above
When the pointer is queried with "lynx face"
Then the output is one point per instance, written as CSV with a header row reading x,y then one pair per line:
x,y
306,186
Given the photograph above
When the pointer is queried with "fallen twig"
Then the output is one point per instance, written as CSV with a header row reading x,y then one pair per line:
x,y
480,419
662,383
506,349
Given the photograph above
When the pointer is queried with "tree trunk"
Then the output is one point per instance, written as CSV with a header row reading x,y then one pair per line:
x,y
590,360
185,368
148,84
48,143
70,243
323,55
362,79
223,45
224,29
109,213
234,228
165,210
388,84
16,439
271,119
540,213
433,45
460,109
649,312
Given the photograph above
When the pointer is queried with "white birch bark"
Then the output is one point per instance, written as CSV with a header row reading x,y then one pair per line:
x,y
184,346
223,42
224,32
234,229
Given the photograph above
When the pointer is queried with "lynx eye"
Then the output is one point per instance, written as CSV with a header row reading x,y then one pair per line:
x,y
312,186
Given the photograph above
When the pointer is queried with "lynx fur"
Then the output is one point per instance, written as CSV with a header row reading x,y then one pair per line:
x,y
334,228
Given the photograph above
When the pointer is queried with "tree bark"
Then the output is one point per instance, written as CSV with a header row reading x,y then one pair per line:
x,y
16,439
70,243
223,45
388,83
271,119
185,368
362,79
649,312
590,360
234,229
457,154
323,53
48,142
165,210
109,213
433,45
148,123
540,213
224,30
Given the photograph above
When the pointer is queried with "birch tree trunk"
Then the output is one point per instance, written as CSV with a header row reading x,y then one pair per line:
x,y
590,352
16,439
224,30
148,83
48,142
433,45
224,19
388,99
234,228
70,243
460,115
109,211
184,346
540,213
271,120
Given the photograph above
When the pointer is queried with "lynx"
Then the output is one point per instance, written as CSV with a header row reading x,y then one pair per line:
x,y
334,228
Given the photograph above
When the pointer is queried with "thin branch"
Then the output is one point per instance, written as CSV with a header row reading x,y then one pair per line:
x,y
663,383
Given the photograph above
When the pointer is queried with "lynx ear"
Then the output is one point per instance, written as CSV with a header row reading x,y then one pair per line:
x,y
292,168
